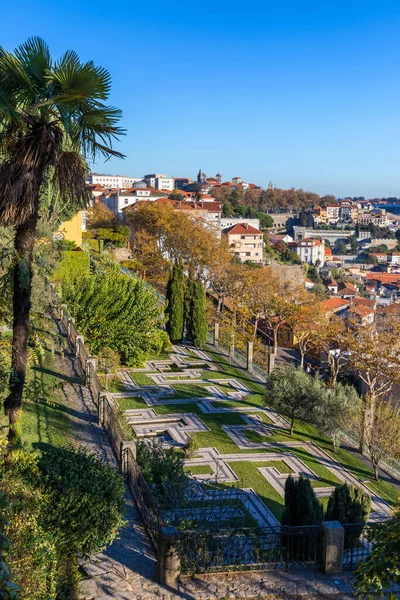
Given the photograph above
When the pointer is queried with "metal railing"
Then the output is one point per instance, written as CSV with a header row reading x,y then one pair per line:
x,y
251,549
358,542
151,515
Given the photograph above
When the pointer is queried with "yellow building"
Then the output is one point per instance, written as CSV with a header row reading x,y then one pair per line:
x,y
72,230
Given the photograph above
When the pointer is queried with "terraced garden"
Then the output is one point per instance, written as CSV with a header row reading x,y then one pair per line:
x,y
241,442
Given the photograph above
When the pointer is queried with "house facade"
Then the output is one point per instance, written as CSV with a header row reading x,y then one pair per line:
x,y
245,242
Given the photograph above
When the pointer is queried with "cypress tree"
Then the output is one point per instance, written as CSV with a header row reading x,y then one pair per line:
x,y
349,504
198,319
189,291
175,305
301,504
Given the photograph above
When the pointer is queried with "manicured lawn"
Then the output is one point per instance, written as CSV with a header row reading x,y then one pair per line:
x,y
114,383
189,390
131,403
141,378
247,471
199,470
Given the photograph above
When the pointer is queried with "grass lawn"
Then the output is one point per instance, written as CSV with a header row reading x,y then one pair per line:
x,y
199,470
141,378
189,390
131,403
46,408
114,383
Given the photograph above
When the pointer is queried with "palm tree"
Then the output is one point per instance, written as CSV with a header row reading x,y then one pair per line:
x,y
53,117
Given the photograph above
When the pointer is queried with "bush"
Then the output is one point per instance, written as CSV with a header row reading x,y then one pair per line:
x,y
175,305
301,504
32,554
119,312
163,468
349,504
85,500
192,445
74,265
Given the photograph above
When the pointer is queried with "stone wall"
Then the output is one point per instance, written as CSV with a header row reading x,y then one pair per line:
x,y
292,275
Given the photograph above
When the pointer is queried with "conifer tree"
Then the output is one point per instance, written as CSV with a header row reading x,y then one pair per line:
x,y
198,319
189,290
301,504
349,504
175,306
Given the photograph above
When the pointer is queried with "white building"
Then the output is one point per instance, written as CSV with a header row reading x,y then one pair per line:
x,y
113,181
121,199
310,251
230,222
160,181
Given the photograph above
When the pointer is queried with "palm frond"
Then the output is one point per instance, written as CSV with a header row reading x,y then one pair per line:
x,y
69,179
34,55
70,76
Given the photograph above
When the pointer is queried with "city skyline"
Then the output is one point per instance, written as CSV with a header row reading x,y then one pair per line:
x,y
305,96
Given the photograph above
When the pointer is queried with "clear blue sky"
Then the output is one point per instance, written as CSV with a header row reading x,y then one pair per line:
x,y
305,93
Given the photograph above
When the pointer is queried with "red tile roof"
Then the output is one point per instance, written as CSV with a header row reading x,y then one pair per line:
x,y
242,229
334,303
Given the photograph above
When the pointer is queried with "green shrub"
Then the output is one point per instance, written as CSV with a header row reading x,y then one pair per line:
x,y
192,445
163,469
85,500
73,266
32,554
301,504
349,504
119,312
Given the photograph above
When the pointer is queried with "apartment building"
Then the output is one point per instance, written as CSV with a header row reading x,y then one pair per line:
x,y
309,250
112,181
245,242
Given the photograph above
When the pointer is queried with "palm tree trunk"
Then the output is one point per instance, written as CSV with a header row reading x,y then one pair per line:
x,y
24,244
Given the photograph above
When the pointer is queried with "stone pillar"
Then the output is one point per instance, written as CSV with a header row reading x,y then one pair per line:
x,y
168,556
79,343
332,547
216,334
90,364
124,454
250,356
271,362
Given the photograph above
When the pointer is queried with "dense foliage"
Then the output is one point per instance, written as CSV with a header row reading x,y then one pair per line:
x,y
293,393
74,265
61,502
197,322
119,312
8,589
349,504
381,569
86,499
301,504
175,305
163,469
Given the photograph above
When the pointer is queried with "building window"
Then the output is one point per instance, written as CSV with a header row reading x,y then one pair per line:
x,y
126,200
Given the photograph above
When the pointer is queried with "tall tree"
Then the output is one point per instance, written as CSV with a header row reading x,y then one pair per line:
x,y
337,408
301,504
175,310
293,393
198,318
53,115
382,437
374,353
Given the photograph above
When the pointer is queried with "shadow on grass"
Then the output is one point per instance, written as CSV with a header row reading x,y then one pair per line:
x,y
58,375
